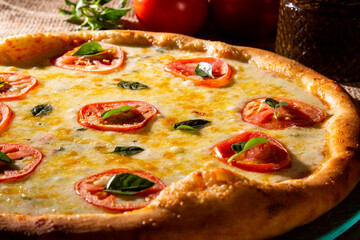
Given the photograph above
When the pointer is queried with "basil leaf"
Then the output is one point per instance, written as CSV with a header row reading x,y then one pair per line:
x,y
271,102
238,147
5,158
114,14
92,15
40,110
111,112
204,69
89,49
127,184
69,3
127,151
131,85
191,124
275,104
243,147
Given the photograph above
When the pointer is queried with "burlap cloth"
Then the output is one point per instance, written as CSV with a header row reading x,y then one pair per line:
x,y
33,16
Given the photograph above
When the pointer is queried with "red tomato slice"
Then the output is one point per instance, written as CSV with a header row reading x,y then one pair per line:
x,y
92,190
106,62
5,116
132,120
185,68
25,157
14,85
296,114
266,157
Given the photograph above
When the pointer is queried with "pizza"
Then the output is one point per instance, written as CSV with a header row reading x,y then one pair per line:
x,y
128,134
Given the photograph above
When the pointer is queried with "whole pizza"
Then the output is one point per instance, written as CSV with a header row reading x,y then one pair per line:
x,y
140,135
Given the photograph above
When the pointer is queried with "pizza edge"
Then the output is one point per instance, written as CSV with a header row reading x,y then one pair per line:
x,y
208,203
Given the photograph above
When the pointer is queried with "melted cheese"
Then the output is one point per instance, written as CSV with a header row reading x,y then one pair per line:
x,y
72,153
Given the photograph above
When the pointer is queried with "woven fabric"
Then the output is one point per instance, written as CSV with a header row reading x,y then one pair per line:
x,y
33,16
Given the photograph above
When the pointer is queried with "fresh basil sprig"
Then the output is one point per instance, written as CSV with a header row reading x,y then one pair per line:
x,y
89,49
93,15
194,124
241,147
275,104
127,184
131,85
111,112
127,150
204,69
40,110
5,158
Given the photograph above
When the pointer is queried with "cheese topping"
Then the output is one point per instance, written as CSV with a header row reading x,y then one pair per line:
x,y
72,152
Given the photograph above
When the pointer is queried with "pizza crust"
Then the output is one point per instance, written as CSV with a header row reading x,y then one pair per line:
x,y
207,204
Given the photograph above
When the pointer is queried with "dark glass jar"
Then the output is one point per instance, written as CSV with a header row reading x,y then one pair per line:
x,y
323,35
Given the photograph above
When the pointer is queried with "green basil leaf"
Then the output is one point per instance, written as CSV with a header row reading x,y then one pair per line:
x,y
69,3
5,158
40,110
238,147
271,102
65,12
127,150
114,14
204,69
111,112
191,124
73,20
127,184
282,104
184,127
275,104
102,2
89,49
93,15
249,144
131,85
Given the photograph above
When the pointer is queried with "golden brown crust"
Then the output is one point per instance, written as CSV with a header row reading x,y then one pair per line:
x,y
214,203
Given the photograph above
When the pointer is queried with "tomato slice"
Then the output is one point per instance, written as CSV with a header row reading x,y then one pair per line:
x,y
134,119
5,116
15,85
105,62
185,68
26,159
91,189
266,157
297,114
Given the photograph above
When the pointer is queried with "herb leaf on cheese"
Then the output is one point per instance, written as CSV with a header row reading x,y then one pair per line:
x,y
89,49
127,150
204,69
93,15
241,147
40,110
5,158
131,85
127,184
111,112
194,124
275,104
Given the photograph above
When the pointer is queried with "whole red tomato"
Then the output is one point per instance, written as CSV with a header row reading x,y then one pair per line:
x,y
177,16
246,18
